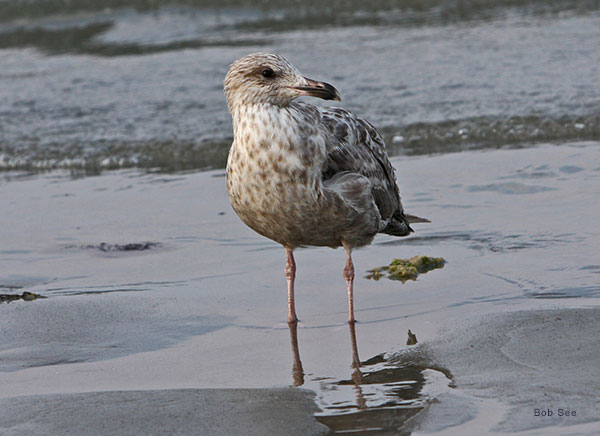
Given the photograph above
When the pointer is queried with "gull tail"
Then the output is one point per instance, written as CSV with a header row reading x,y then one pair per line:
x,y
415,219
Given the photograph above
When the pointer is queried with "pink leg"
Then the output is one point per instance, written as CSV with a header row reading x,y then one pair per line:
x,y
349,276
290,275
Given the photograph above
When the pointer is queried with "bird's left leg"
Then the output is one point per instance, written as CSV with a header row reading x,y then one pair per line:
x,y
290,274
349,276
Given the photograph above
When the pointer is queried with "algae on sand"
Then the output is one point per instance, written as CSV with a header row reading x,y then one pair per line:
x,y
406,269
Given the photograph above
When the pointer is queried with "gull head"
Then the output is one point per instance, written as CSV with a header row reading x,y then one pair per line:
x,y
263,78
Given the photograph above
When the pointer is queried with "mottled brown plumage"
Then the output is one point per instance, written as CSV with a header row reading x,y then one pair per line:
x,y
304,175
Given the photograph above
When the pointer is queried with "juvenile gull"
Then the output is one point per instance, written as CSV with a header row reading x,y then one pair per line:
x,y
305,175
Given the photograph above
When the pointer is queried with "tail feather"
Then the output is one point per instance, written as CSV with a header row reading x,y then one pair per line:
x,y
415,219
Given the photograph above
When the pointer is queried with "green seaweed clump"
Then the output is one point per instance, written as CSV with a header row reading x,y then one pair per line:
x,y
406,269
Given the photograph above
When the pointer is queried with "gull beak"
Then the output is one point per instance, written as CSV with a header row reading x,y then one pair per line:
x,y
318,89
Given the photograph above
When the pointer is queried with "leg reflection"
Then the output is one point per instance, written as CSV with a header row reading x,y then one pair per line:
x,y
357,376
297,371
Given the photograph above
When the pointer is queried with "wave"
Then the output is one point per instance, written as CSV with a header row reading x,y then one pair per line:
x,y
489,132
93,157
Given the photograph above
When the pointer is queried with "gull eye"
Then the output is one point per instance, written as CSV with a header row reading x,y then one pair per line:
x,y
268,73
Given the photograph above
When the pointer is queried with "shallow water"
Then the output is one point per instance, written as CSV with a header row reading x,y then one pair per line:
x,y
91,87
154,283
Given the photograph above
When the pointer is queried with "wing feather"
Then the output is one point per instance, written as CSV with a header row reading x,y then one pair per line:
x,y
354,145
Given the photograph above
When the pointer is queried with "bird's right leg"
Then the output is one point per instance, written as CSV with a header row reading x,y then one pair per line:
x,y
290,275
349,276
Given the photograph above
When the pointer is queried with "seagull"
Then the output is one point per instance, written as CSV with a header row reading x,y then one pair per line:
x,y
304,175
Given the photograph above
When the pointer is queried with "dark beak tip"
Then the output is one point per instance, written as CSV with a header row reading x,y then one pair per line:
x,y
321,90
334,94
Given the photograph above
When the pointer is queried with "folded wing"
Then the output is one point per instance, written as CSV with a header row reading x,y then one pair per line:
x,y
355,146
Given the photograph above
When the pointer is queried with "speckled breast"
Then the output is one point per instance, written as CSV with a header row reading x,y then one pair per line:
x,y
275,191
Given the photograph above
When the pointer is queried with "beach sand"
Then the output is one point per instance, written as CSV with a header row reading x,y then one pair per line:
x,y
188,333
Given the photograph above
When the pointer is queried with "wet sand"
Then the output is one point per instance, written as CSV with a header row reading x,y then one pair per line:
x,y
204,306
226,412
528,371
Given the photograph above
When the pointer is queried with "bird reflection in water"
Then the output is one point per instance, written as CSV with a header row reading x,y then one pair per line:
x,y
297,370
357,376
378,399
